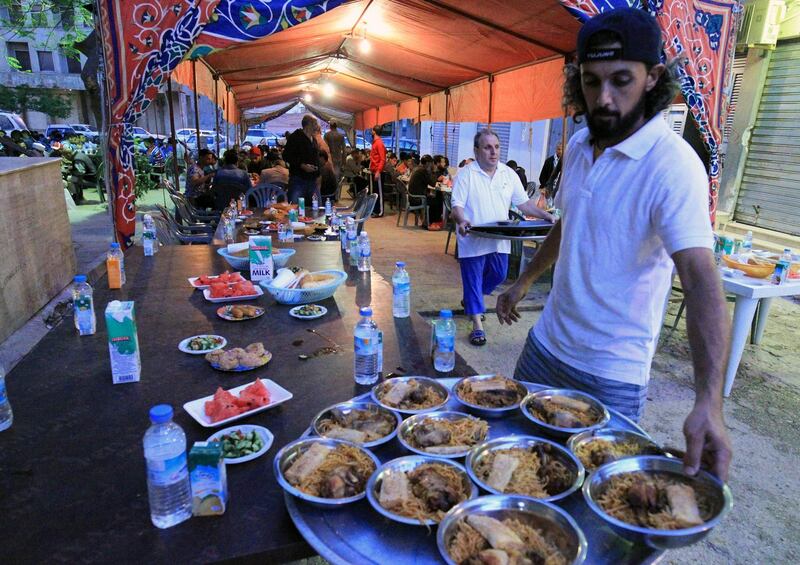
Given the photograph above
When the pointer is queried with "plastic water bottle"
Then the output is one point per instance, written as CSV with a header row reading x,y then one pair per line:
x,y
747,244
289,233
6,415
343,237
787,255
167,472
365,346
444,354
352,246
364,252
149,241
350,224
314,205
115,257
83,306
401,284
328,207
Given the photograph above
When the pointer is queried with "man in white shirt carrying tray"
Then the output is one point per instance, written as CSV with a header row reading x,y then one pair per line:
x,y
634,201
483,192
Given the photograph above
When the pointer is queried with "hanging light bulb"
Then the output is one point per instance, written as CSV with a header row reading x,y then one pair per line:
x,y
328,90
364,46
307,97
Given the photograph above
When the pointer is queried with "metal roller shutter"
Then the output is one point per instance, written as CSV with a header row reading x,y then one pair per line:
x,y
769,195
437,145
503,131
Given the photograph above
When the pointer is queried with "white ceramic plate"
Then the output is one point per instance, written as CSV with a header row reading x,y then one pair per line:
x,y
264,433
184,345
197,408
193,281
222,312
207,295
293,312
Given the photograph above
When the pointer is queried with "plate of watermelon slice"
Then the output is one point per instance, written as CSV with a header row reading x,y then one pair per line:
x,y
240,402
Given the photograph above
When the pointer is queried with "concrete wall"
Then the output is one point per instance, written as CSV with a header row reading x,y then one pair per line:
x,y
36,259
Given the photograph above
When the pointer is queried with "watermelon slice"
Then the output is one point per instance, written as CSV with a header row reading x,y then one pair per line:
x,y
254,395
224,405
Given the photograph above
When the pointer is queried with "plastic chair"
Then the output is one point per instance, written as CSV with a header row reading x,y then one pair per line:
x,y
531,188
391,194
451,223
366,212
189,215
415,203
186,234
260,195
353,208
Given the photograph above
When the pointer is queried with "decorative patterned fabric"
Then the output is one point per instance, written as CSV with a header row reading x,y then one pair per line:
x,y
701,35
239,21
143,41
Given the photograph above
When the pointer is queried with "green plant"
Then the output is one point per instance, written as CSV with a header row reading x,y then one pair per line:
x,y
144,178
23,98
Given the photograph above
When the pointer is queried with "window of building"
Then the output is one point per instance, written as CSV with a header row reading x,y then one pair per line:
x,y
73,66
38,15
46,61
67,17
15,14
19,51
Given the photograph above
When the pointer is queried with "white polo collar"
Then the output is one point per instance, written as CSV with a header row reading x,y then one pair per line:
x,y
637,145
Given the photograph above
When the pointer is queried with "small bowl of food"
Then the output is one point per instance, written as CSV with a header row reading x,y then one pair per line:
x,y
490,396
562,412
419,490
648,499
510,529
364,423
595,448
526,466
442,434
411,395
326,472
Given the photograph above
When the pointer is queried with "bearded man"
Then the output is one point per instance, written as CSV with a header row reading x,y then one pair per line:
x,y
634,201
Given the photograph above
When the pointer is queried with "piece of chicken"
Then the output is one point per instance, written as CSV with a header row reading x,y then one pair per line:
x,y
683,505
496,533
307,463
430,433
503,468
340,483
429,486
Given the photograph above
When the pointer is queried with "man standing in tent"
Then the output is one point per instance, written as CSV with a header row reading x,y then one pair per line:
x,y
483,192
302,156
634,199
377,160
335,141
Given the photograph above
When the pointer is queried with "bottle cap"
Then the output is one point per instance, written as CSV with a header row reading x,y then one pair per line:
x,y
400,264
364,233
161,413
114,245
445,313
80,278
366,311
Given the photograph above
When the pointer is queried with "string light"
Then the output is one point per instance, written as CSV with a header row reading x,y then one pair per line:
x,y
364,46
307,97
328,90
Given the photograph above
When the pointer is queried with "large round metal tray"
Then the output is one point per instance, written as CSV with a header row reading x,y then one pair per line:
x,y
358,534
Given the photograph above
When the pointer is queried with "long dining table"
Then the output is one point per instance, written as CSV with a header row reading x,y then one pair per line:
x,y
72,470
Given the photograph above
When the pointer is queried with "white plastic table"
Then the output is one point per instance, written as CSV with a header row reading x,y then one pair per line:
x,y
749,292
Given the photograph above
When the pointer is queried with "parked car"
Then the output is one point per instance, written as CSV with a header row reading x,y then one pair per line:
x,y
184,134
142,133
86,131
361,143
258,136
65,130
206,141
405,145
9,121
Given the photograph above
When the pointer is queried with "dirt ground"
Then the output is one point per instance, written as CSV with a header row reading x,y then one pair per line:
x,y
763,413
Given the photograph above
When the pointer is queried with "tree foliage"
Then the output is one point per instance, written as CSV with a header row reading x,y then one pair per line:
x,y
67,22
21,99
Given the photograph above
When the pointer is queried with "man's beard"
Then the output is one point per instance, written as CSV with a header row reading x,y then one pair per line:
x,y
617,127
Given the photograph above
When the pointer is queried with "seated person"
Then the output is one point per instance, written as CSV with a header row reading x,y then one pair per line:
x,y
198,181
229,181
276,173
421,178
353,166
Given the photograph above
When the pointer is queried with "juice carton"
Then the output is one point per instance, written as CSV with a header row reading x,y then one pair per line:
x,y
261,264
208,479
123,342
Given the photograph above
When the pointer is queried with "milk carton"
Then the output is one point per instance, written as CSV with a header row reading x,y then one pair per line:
x,y
208,479
123,343
261,265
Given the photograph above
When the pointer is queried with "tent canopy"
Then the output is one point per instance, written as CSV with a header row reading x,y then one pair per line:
x,y
418,50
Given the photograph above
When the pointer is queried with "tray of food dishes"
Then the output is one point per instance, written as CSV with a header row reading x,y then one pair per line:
x,y
479,470
512,229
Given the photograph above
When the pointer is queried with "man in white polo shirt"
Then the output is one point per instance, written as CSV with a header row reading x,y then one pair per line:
x,y
634,201
483,192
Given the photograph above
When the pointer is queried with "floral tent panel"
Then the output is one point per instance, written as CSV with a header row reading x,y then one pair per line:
x,y
142,43
700,34
239,21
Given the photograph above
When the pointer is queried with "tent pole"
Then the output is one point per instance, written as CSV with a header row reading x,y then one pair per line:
x,y
397,132
419,124
196,107
216,110
491,93
446,117
173,136
228,117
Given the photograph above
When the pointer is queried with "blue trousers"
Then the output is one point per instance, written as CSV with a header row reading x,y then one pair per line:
x,y
303,188
479,276
537,365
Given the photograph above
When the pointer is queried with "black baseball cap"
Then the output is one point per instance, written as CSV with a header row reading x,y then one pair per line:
x,y
637,31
